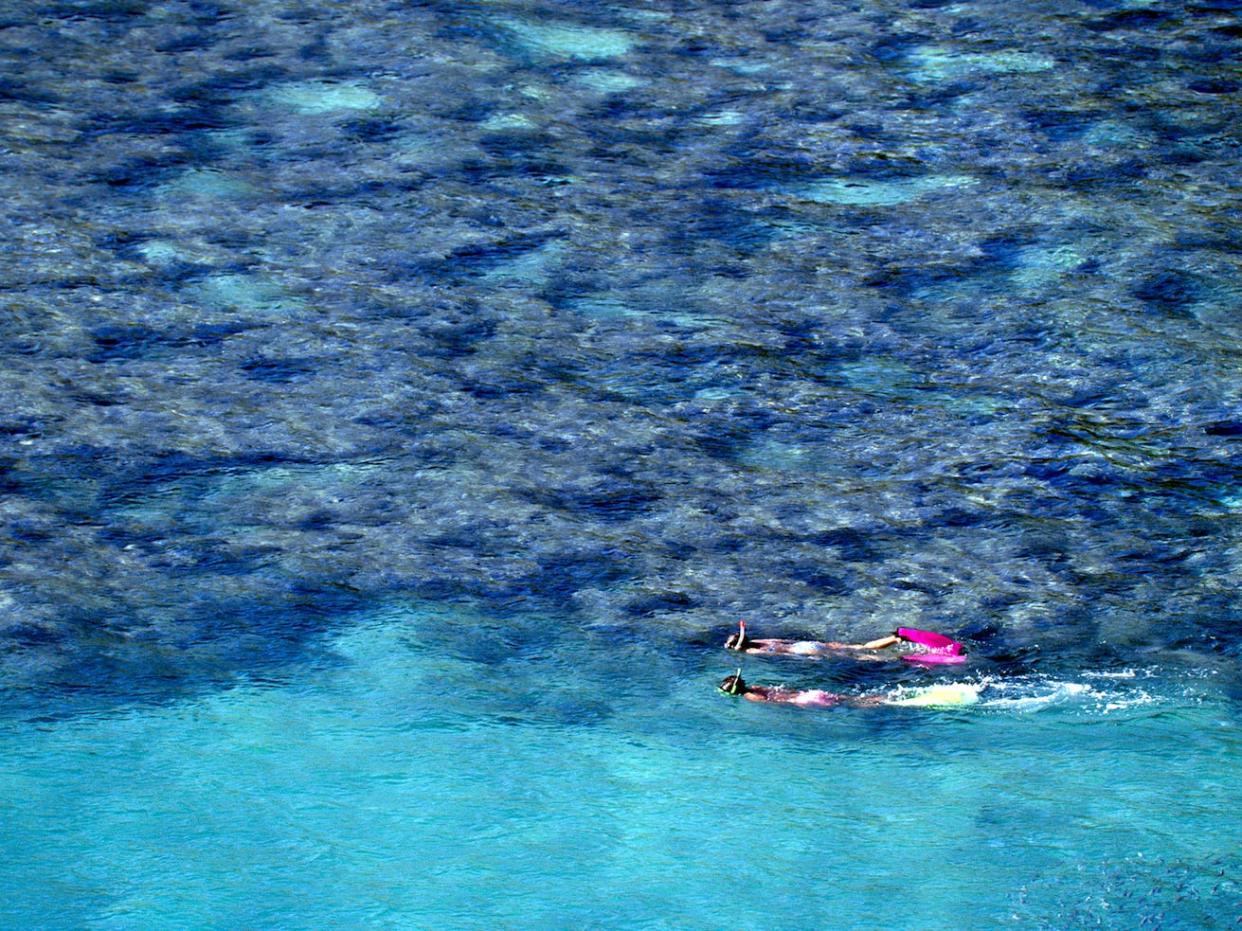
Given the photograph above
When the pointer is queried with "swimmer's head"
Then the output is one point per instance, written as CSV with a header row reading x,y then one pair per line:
x,y
733,685
737,641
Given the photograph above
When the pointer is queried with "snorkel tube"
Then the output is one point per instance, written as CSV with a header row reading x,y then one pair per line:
x,y
941,650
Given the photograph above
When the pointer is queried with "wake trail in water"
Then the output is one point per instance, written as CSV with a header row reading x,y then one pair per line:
x,y
1092,693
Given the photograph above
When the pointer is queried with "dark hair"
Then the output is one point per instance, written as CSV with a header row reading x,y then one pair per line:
x,y
736,642
732,685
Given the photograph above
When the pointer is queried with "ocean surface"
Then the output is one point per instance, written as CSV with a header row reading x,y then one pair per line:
x,y
403,400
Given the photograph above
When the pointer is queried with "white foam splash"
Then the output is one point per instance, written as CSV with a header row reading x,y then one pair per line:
x,y
1105,692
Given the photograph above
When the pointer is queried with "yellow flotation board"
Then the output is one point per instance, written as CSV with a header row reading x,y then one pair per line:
x,y
939,696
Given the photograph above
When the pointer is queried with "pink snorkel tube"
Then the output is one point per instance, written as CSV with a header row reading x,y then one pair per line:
x,y
941,651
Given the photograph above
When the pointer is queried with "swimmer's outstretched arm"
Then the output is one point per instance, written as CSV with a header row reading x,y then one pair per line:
x,y
879,644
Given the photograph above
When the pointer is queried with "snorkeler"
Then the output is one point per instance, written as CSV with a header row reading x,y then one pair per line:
x,y
937,649
936,696
807,698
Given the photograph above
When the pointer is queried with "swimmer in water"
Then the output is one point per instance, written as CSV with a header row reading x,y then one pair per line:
x,y
938,696
937,648
745,644
806,698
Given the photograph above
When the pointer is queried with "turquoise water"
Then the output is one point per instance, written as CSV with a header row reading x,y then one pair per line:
x,y
404,400
393,785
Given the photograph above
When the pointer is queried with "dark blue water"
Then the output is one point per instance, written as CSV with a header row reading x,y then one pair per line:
x,y
587,329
